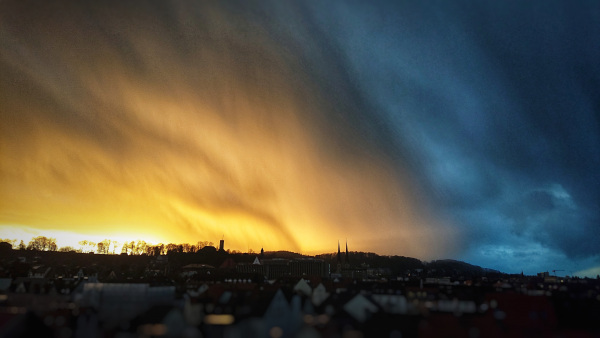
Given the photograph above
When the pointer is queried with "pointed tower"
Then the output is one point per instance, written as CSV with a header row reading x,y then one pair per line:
x,y
347,259
339,255
339,260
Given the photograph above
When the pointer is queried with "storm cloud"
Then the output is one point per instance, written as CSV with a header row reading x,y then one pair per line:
x,y
499,104
429,129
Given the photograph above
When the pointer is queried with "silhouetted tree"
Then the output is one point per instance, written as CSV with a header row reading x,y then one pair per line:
x,y
83,245
131,247
157,250
115,244
34,245
149,250
171,248
107,243
201,245
87,246
108,246
141,247
100,248
104,247
42,243
67,249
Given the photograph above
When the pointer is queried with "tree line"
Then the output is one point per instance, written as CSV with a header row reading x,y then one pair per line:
x,y
40,243
108,246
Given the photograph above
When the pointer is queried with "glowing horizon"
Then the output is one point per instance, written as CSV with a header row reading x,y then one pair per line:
x,y
181,144
289,126
72,239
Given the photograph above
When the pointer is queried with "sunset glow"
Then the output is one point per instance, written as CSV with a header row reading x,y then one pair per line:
x,y
186,146
405,129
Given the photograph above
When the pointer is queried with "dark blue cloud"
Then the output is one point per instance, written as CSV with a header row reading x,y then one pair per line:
x,y
497,106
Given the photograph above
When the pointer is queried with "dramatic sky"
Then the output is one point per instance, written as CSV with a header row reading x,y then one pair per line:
x,y
432,129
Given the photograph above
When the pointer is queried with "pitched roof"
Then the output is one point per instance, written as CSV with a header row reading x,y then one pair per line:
x,y
302,287
360,308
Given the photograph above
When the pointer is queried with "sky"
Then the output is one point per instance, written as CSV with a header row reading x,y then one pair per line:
x,y
432,129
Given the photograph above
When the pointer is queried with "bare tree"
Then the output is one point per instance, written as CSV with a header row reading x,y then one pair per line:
x,y
115,244
204,244
104,247
87,246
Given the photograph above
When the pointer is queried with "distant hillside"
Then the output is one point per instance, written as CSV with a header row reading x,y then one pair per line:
x,y
283,254
452,268
387,265
398,265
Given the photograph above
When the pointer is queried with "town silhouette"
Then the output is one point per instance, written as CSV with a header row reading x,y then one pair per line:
x,y
312,168
203,290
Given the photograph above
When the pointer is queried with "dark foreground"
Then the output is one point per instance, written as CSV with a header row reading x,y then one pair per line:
x,y
50,296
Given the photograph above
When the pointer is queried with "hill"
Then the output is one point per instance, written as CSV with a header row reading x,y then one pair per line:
x,y
388,265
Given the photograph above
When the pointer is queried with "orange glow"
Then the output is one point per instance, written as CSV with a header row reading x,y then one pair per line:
x,y
187,147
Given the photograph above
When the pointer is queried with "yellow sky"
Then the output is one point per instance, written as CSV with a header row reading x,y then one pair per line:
x,y
223,138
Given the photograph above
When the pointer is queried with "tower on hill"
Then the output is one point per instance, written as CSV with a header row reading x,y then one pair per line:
x,y
339,260
347,258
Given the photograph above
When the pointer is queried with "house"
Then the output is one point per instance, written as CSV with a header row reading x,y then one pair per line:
x,y
39,271
360,308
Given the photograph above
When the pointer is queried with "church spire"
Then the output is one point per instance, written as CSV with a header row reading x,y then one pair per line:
x,y
339,255
346,259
